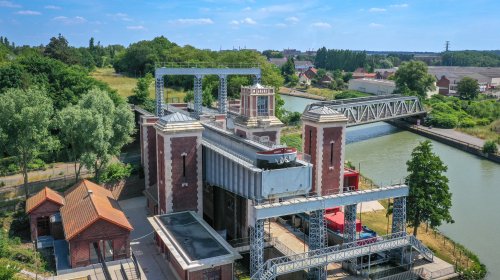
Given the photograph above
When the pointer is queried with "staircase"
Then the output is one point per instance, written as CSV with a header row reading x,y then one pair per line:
x,y
322,257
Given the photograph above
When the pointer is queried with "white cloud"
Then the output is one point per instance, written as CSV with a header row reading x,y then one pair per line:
x,y
234,22
320,24
120,16
404,5
136,27
292,19
29,13
193,21
278,9
377,10
70,20
375,25
52,7
281,25
249,21
9,4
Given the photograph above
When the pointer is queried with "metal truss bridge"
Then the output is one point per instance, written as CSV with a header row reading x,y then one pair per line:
x,y
338,253
374,108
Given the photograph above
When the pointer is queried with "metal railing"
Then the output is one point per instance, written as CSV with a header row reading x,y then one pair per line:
x,y
136,266
197,64
426,252
321,257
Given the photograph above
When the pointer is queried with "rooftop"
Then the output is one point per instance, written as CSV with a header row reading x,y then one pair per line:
x,y
46,194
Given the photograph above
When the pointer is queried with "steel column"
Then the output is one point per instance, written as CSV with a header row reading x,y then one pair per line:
x,y
198,95
222,94
256,246
159,96
256,79
317,240
399,215
350,223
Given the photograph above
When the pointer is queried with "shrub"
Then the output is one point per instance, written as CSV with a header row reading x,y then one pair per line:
x,y
443,120
483,121
36,164
8,269
467,122
116,172
490,147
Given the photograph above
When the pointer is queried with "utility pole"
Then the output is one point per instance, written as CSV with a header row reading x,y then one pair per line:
x,y
447,46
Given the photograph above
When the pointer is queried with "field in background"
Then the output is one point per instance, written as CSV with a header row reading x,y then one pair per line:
x,y
125,85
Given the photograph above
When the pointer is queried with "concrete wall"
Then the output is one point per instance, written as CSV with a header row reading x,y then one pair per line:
x,y
377,87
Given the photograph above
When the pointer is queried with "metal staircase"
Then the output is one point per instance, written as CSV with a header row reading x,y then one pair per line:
x,y
338,253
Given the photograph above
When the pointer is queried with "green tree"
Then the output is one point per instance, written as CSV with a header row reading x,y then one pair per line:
x,y
412,78
141,91
25,118
58,48
429,200
468,88
112,130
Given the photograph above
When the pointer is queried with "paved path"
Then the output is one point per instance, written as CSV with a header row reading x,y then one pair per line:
x,y
152,264
297,93
451,133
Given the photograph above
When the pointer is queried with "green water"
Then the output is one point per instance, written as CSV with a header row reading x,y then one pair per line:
x,y
382,150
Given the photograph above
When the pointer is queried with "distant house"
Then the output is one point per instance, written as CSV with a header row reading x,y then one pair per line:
x,y
302,65
278,61
304,79
291,52
311,72
326,79
373,86
360,73
85,225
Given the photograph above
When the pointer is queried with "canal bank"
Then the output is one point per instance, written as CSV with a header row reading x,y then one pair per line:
x,y
381,150
452,138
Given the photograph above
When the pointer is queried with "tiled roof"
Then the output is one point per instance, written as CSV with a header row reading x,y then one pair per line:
x,y
176,118
45,194
86,203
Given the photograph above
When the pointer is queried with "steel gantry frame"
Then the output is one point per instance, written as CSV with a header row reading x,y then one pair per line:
x,y
317,240
399,214
373,109
256,246
198,74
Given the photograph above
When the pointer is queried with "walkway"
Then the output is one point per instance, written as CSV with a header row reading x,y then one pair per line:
x,y
297,93
152,264
451,133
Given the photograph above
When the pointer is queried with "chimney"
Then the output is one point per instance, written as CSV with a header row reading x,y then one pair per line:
x,y
90,192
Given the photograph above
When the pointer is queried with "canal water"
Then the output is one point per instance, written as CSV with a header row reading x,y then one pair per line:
x,y
381,151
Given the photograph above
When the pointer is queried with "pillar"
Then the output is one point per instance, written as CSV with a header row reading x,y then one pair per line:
x,y
350,223
222,94
317,240
256,246
198,95
399,215
159,96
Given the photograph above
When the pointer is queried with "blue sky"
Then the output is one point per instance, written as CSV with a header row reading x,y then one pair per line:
x,y
418,25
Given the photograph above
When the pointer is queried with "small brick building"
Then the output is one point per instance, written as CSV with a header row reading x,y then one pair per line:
x,y
93,225
40,208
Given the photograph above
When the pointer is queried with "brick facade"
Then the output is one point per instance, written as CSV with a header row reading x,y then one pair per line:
x,y
79,246
151,156
161,174
332,163
310,136
184,173
46,209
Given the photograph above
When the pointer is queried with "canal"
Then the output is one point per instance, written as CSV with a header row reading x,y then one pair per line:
x,y
382,150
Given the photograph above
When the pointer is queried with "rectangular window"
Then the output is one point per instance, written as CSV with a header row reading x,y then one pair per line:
x,y
310,141
94,252
331,153
262,106
184,166
108,250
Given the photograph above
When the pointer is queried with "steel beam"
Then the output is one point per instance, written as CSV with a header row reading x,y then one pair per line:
x,y
317,240
207,71
399,214
349,223
222,94
198,95
256,246
306,204
159,96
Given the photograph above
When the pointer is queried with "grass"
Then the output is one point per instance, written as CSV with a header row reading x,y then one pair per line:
x,y
487,132
125,85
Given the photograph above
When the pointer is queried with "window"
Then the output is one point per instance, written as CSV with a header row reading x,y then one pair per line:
x,y
262,106
331,153
184,166
43,226
108,250
310,141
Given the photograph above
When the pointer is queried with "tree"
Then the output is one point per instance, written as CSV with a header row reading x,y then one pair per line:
x,y
25,118
490,147
141,91
58,48
412,78
429,200
468,88
111,131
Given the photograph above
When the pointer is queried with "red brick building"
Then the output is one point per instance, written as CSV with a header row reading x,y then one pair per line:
x,y
94,225
40,208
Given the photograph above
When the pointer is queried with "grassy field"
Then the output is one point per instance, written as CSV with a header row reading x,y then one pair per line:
x,y
125,85
487,132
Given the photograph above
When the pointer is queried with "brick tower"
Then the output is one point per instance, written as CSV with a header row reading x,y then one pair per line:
x,y
323,138
257,114
178,142
147,133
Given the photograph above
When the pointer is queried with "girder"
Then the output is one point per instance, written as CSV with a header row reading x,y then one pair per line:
x,y
373,109
256,246
317,240
159,96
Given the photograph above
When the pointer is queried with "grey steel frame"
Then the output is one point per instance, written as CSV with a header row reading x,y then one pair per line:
x,y
198,74
374,109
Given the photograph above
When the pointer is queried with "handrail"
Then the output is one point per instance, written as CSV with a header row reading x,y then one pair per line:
x,y
173,64
136,266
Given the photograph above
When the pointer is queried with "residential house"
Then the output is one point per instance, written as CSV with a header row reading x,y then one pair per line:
x,y
360,73
41,208
302,65
278,61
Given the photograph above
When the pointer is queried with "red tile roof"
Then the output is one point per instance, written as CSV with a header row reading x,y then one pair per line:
x,y
46,194
86,203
